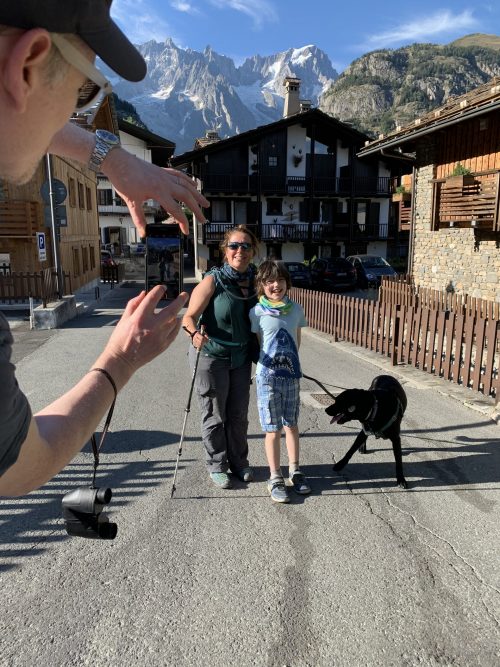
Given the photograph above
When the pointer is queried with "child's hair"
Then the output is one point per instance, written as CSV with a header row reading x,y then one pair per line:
x,y
270,269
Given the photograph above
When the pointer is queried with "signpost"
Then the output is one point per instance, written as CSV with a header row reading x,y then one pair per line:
x,y
54,192
42,250
59,191
60,214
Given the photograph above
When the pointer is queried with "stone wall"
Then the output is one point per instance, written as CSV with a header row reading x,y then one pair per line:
x,y
448,259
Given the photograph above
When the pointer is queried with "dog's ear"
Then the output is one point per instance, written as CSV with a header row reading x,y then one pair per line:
x,y
351,408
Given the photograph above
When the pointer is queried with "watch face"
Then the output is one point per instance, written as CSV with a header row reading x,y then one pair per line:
x,y
108,137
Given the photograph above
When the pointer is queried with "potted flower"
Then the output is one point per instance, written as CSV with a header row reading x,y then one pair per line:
x,y
459,177
401,194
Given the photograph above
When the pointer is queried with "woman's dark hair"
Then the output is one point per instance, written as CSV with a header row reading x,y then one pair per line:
x,y
243,230
271,269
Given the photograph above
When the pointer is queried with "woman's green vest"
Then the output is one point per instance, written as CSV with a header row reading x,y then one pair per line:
x,y
226,321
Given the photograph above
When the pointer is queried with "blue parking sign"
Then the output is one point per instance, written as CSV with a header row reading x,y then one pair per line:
x,y
42,251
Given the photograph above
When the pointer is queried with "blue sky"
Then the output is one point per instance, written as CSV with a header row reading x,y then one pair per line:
x,y
344,30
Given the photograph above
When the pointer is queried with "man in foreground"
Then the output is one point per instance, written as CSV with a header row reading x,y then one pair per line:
x,y
47,51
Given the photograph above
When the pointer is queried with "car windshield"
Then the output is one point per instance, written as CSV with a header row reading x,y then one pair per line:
x,y
374,262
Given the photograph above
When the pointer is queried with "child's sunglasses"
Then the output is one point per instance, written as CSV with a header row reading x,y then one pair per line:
x,y
234,245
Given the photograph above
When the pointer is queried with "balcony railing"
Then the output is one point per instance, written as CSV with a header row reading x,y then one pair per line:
x,y
214,231
226,183
298,232
109,209
298,185
293,232
20,218
471,200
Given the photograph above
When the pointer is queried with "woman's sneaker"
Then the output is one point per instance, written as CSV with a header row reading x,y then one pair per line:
x,y
278,491
299,482
221,479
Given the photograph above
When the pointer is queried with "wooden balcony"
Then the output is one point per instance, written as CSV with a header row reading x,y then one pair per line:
x,y
298,232
213,232
293,232
468,201
20,219
269,184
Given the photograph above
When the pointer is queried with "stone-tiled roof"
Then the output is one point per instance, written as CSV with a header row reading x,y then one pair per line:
x,y
481,100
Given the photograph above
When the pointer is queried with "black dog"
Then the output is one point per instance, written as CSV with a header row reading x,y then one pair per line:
x,y
380,410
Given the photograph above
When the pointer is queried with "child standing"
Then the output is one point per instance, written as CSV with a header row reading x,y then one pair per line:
x,y
277,321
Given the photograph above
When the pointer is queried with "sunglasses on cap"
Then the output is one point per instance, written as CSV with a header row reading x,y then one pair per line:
x,y
96,86
244,245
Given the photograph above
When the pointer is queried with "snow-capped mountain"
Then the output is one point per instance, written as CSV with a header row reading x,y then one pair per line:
x,y
185,92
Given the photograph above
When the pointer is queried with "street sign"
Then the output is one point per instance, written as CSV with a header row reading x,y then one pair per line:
x,y
42,250
60,215
59,191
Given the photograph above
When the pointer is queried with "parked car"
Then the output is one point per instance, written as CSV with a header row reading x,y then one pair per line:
x,y
370,269
332,274
299,274
107,258
137,248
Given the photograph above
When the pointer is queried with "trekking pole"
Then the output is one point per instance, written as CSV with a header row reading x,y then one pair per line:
x,y
186,412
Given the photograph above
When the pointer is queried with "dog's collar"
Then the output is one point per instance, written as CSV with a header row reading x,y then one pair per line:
x,y
371,416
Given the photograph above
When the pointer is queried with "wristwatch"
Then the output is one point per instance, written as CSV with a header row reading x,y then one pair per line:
x,y
104,143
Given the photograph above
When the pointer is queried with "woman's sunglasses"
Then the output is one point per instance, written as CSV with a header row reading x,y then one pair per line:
x,y
234,245
96,86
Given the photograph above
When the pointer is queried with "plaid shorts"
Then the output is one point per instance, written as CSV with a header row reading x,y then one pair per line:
x,y
278,400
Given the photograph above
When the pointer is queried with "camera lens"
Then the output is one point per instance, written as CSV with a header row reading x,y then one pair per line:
x,y
107,531
103,496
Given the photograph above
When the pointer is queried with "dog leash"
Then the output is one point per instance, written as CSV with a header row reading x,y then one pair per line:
x,y
308,377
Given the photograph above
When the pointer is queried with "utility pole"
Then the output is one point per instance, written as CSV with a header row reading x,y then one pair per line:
x,y
56,232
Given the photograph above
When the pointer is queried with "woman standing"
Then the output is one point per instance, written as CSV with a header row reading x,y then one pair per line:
x,y
220,304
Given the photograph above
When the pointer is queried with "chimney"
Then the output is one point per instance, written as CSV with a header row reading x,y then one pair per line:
x,y
212,135
292,102
305,105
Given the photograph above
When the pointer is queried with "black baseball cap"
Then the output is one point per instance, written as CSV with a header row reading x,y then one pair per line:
x,y
89,19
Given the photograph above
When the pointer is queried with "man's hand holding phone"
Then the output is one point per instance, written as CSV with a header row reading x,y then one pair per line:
x,y
142,333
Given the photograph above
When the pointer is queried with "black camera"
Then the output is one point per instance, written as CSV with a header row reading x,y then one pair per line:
x,y
82,513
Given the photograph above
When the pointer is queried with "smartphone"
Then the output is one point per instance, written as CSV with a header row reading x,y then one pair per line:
x,y
165,258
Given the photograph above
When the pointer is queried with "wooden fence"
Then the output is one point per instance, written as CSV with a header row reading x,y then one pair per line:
x,y
462,347
19,287
400,290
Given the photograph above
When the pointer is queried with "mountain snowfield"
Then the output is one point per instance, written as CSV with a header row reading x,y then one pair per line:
x,y
186,92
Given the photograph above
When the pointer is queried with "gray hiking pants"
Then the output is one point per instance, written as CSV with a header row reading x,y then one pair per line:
x,y
223,395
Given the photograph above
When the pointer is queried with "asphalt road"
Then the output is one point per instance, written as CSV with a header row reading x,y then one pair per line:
x,y
360,573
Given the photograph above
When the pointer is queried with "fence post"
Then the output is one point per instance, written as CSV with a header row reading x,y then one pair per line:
x,y
395,335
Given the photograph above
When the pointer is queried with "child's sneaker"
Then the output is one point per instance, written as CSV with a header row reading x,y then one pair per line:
x,y
299,482
278,491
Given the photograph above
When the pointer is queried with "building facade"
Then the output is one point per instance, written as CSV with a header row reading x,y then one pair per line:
x,y
455,193
116,226
298,184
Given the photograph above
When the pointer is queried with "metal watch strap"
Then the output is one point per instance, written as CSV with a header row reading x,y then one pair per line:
x,y
99,154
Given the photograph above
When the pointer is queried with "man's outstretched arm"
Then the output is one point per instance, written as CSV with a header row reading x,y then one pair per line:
x,y
58,432
135,180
